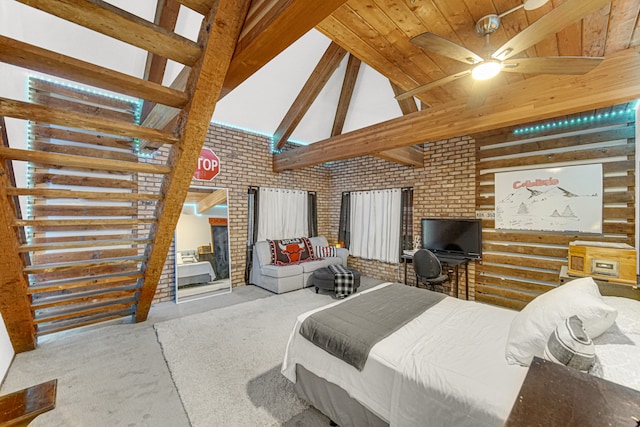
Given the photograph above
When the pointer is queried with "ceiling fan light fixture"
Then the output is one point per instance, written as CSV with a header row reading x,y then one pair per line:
x,y
486,70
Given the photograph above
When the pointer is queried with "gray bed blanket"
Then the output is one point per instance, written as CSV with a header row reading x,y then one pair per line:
x,y
349,330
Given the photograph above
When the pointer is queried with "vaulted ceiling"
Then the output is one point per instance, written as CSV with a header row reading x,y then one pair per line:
x,y
378,32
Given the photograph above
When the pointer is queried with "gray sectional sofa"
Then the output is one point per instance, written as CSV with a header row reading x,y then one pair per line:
x,y
286,278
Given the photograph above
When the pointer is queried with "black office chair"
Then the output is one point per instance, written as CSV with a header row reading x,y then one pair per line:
x,y
428,269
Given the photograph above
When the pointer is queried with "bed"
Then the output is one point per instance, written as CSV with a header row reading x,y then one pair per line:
x,y
447,365
190,271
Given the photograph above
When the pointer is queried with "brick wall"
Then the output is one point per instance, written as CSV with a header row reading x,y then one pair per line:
x,y
246,160
444,187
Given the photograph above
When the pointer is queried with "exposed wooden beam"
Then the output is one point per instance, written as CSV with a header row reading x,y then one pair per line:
x,y
201,6
211,200
161,115
316,81
48,62
104,18
73,161
166,17
38,113
268,37
614,81
82,244
273,34
42,131
348,84
79,222
407,106
219,36
74,194
14,301
409,156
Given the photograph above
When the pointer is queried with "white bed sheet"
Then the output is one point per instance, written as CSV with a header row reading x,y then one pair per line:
x,y
446,366
195,269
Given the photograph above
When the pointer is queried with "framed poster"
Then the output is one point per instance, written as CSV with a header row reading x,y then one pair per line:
x,y
555,199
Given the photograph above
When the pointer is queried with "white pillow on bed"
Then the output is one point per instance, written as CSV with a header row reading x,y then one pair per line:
x,y
531,328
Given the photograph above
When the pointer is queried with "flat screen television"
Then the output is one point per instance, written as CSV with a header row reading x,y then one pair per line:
x,y
455,237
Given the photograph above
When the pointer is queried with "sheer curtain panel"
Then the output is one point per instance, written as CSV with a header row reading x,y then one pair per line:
x,y
375,224
283,214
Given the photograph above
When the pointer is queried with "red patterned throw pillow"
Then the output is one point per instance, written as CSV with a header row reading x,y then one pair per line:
x,y
291,251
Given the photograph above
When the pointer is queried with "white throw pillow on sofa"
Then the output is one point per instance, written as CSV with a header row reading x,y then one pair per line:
x,y
531,328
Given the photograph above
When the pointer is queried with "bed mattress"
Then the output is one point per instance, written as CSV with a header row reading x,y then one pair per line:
x,y
447,366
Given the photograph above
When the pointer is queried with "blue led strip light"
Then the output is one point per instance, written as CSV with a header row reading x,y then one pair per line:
x,y
274,150
572,122
136,103
82,89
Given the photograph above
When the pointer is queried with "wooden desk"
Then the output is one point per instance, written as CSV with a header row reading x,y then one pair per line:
x,y
553,395
449,264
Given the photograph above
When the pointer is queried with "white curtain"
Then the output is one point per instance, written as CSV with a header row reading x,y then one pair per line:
x,y
282,214
375,224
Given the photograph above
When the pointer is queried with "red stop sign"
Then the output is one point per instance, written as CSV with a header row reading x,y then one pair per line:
x,y
208,166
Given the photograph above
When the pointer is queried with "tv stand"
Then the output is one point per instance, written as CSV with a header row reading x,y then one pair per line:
x,y
452,263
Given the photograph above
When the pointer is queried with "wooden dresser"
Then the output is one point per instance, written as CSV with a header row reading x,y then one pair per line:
x,y
553,395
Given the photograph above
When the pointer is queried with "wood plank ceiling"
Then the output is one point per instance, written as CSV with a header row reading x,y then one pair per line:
x,y
378,33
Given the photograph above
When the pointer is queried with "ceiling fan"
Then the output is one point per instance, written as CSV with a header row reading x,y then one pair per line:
x,y
486,66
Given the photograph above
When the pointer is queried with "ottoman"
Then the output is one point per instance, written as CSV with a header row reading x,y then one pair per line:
x,y
322,278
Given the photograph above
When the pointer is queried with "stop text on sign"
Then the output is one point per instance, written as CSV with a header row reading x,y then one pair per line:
x,y
208,166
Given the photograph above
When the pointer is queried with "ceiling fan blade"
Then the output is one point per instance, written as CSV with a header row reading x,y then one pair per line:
x,y
554,21
479,92
434,43
552,65
431,85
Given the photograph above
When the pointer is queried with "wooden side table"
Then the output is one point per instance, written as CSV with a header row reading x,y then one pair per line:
x,y
553,395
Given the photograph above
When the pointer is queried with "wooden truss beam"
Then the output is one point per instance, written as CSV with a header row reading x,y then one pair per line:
x,y
219,36
407,106
109,20
408,156
268,34
316,81
348,84
275,30
166,17
614,81
48,62
201,6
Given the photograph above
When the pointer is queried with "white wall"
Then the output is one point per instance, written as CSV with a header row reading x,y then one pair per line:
x,y
276,85
6,350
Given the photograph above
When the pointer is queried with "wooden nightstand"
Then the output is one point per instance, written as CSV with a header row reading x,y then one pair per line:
x,y
553,395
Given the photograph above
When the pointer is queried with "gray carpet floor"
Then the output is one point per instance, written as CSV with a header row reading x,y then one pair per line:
x,y
116,374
